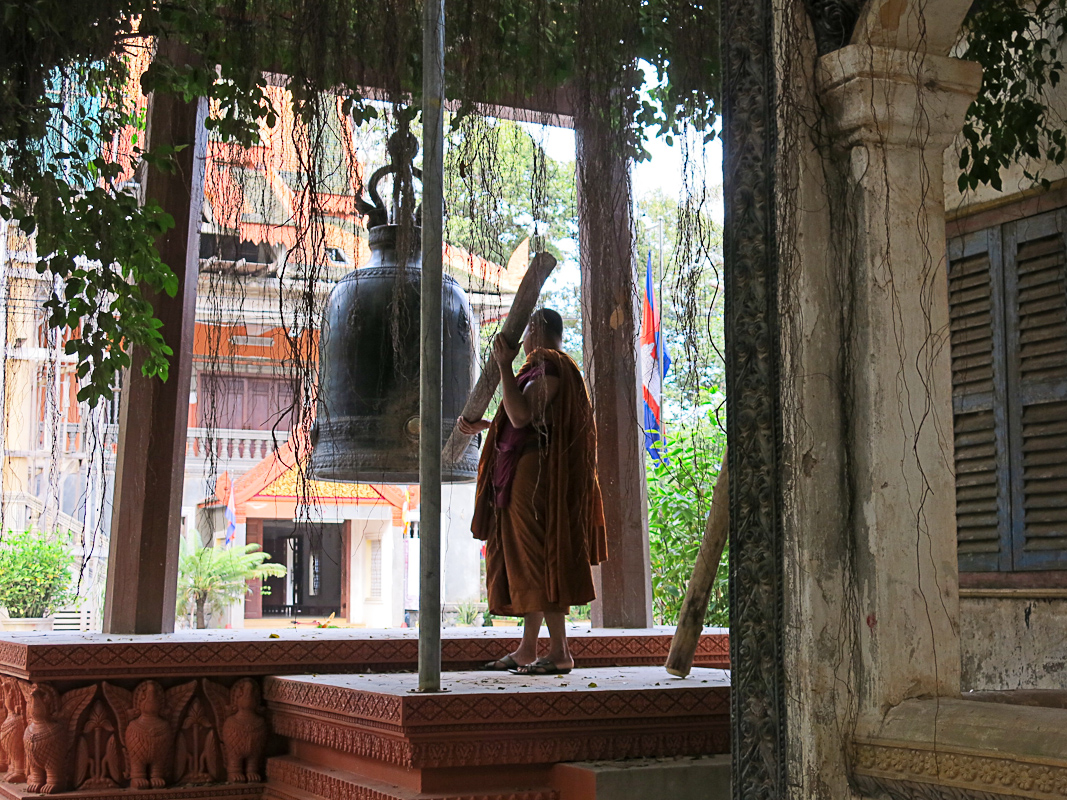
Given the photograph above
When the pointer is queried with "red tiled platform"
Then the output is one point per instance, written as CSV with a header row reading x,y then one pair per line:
x,y
490,736
94,657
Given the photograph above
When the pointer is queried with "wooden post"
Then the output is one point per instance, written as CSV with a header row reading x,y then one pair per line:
x,y
346,570
610,314
142,571
254,599
698,593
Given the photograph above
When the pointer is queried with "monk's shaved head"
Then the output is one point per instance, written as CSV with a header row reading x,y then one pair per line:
x,y
551,321
544,330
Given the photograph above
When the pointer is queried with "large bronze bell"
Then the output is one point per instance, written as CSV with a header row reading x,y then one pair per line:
x,y
367,425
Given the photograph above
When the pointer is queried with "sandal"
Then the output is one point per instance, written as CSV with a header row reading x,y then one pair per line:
x,y
541,666
509,665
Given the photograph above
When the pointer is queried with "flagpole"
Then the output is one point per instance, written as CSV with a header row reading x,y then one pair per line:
x,y
660,343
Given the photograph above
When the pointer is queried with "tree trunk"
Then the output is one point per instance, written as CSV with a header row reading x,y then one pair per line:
x,y
201,621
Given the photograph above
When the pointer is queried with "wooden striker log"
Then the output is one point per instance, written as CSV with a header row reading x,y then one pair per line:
x,y
541,266
697,595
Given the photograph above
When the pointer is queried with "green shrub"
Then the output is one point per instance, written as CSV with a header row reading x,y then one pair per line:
x,y
679,499
215,578
35,573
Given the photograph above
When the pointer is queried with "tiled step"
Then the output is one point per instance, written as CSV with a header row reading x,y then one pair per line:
x,y
253,652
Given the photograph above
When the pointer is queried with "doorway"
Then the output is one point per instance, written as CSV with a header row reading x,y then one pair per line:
x,y
312,555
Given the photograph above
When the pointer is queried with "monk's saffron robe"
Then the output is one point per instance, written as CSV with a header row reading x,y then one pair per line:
x,y
545,527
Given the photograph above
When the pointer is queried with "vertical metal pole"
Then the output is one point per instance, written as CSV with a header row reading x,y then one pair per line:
x,y
662,344
433,90
3,368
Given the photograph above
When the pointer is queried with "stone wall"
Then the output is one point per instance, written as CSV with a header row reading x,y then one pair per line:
x,y
1013,642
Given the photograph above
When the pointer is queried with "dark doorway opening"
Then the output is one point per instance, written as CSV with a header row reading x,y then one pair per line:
x,y
312,555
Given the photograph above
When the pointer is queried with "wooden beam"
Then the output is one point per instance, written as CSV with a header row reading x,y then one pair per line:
x,y
346,570
610,314
153,421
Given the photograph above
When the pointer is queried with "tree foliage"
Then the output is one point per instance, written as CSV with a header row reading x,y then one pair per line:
x,y
64,96
501,187
679,499
35,573
1019,46
97,241
215,578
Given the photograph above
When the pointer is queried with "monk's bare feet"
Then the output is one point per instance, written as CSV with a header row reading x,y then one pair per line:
x,y
520,658
562,660
524,655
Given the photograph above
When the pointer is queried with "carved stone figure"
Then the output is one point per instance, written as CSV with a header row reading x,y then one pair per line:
x,y
244,730
12,730
146,728
50,727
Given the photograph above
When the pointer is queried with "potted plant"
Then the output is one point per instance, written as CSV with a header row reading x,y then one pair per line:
x,y
215,578
35,579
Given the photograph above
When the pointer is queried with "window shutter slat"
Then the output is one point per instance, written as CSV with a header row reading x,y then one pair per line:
x,y
1036,294
980,430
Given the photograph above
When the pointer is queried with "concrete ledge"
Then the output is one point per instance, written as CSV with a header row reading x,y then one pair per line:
x,y
702,778
964,748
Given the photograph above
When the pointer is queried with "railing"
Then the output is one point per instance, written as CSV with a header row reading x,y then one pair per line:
x,y
23,510
233,445
72,439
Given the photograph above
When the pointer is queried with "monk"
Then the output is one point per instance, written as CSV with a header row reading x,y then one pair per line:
x,y
538,505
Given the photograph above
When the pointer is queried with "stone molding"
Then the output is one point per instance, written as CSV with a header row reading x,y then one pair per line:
x,y
498,743
284,772
895,98
907,771
38,659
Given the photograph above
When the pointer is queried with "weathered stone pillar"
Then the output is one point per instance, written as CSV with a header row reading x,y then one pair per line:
x,y
893,113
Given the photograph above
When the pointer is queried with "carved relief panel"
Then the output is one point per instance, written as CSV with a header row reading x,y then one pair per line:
x,y
104,736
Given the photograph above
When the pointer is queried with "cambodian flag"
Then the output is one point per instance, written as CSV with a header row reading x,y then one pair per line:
x,y
654,363
231,518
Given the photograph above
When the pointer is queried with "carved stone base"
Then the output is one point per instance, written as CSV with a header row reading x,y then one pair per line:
x,y
963,750
491,735
10,791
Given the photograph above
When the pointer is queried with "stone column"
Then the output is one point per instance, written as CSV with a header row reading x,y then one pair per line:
x,y
891,114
